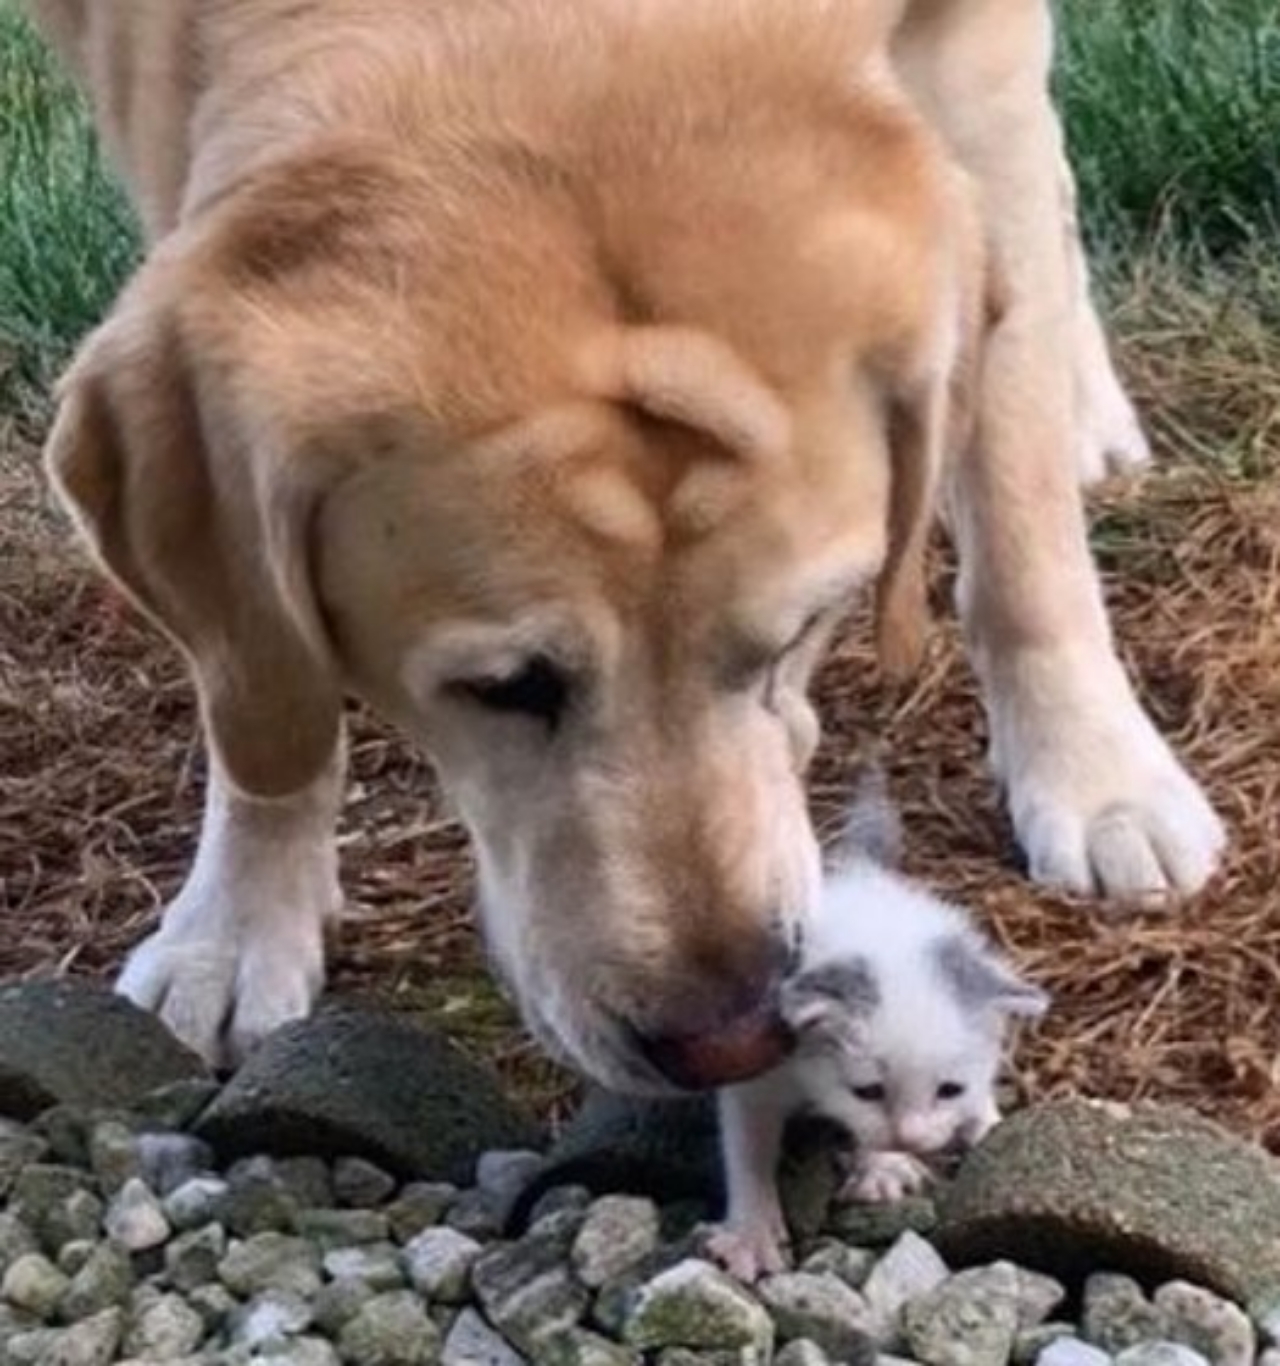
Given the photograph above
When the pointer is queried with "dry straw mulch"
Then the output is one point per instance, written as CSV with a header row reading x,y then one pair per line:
x,y
100,770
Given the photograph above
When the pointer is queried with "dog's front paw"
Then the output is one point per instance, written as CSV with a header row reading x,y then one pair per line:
x,y
1110,438
747,1251
221,987
885,1178
1099,803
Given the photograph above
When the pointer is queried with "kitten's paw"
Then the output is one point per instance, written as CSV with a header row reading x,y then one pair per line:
x,y
884,1178
747,1252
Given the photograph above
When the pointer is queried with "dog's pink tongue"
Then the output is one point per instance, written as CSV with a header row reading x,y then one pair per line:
x,y
737,1052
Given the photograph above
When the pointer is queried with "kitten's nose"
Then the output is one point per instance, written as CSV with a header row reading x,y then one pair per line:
x,y
914,1134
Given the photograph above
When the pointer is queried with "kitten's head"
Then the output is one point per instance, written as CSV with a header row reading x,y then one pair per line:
x,y
907,1038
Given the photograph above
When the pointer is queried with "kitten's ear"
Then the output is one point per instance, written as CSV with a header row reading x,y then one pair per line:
x,y
835,1000
982,979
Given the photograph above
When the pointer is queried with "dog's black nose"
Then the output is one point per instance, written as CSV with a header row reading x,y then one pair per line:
x,y
737,1051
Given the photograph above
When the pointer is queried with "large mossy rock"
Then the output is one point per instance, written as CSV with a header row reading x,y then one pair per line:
x,y
76,1044
366,1082
1158,1192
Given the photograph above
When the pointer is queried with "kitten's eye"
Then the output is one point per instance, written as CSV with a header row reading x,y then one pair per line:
x,y
540,690
950,1090
873,1093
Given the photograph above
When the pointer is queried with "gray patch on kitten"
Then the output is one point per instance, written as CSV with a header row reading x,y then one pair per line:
x,y
981,981
850,984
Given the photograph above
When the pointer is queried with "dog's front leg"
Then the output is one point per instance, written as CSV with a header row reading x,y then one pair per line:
x,y
1099,802
240,950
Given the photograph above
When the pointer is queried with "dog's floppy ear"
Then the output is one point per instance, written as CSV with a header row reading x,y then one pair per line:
x,y
202,522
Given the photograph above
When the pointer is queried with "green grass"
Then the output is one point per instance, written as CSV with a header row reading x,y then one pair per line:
x,y
1173,114
1173,109
67,238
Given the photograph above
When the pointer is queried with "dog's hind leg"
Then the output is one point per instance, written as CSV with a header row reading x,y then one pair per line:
x,y
1109,436
1098,800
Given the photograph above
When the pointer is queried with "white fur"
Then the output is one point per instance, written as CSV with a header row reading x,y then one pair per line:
x,y
240,951
919,1034
1099,801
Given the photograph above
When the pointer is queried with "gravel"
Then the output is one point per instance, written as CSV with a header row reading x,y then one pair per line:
x,y
126,1239
149,1253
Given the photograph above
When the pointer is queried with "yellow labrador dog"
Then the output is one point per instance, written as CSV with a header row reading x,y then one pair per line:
x,y
550,374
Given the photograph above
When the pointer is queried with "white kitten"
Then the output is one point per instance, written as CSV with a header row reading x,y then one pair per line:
x,y
900,1007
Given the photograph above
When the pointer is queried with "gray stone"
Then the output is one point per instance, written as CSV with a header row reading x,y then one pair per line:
x,y
1160,1192
1215,1327
192,1259
135,1219
526,1289
970,1320
103,1282
1038,1297
801,1353
19,1147
377,1264
476,1214
1031,1343
174,1107
113,1154
199,1201
1070,1351
439,1262
366,1083
72,1256
92,1342
504,1173
578,1347
170,1160
17,1238
258,1201
34,1284
39,1190
560,1200
361,1184
76,1218
1160,1354
169,1328
880,1225
1117,1314
471,1342
1269,1357
308,1179
694,1304
617,1233
214,1303
339,1302
72,1043
330,1228
271,1261
390,1330
422,1204
853,1265
303,1351
910,1269
823,1310
270,1319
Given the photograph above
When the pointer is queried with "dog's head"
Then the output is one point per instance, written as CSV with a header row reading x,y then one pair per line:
x,y
355,432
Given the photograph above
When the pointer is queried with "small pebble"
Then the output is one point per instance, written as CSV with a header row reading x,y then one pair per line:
x,y
390,1330
1160,1354
34,1284
170,1328
504,1174
332,1228
1216,1328
198,1201
821,1309
471,1342
419,1205
271,1261
269,1319
617,1233
104,1281
377,1264
439,1262
191,1259
1070,1351
359,1184
802,1353
135,1219
695,1304
909,1270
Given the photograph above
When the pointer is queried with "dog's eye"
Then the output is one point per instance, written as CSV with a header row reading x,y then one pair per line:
x,y
872,1094
950,1090
539,690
